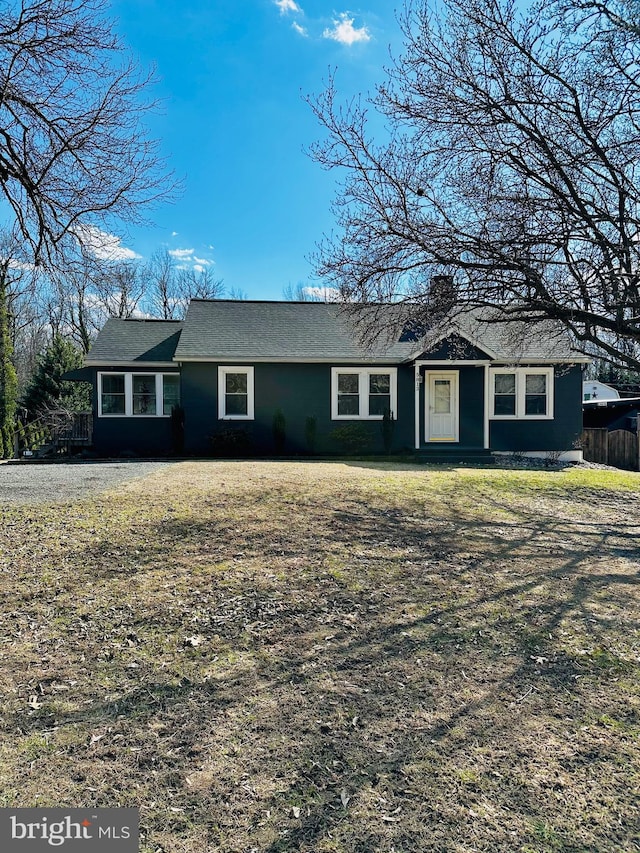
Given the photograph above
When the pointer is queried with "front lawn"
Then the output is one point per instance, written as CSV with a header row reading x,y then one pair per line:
x,y
331,658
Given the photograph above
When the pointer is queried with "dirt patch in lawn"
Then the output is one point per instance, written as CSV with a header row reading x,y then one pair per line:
x,y
332,658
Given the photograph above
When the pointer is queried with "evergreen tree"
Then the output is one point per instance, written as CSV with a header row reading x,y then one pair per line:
x,y
48,390
8,377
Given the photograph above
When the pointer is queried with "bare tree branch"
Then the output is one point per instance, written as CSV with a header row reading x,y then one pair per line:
x,y
73,146
509,166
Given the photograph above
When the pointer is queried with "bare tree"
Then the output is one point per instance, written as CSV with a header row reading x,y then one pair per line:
x,y
170,288
75,306
120,289
73,148
31,331
238,294
81,298
198,284
508,169
160,275
26,320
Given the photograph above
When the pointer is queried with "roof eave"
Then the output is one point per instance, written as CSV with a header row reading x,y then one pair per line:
x,y
127,363
243,359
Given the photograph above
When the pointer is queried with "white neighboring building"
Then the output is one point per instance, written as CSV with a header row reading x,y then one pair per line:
x,y
594,390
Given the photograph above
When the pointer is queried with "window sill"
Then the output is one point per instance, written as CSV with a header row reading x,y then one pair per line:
x,y
358,418
137,417
520,417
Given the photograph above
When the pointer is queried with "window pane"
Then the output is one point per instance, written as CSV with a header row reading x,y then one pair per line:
x,y
505,383
144,395
348,383
235,404
379,394
348,394
113,404
379,383
535,401
536,383
113,384
535,404
170,393
349,404
379,404
504,404
113,400
236,383
504,398
442,397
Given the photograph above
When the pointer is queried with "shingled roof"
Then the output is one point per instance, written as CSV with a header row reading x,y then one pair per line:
x,y
510,341
123,342
250,331
242,331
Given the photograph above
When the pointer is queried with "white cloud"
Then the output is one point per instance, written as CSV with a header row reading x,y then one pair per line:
x,y
174,233
186,259
344,32
22,266
287,6
104,246
327,294
300,30
182,254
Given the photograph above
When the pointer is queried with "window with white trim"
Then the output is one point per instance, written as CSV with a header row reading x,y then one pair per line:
x,y
363,393
112,394
521,392
137,394
235,393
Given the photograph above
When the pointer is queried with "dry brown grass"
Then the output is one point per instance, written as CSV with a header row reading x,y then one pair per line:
x,y
333,658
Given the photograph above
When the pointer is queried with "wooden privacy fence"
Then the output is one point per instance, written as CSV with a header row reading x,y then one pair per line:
x,y
620,448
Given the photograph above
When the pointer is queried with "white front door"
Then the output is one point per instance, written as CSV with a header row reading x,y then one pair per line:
x,y
441,421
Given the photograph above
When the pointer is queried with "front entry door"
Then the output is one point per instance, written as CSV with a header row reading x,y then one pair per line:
x,y
441,399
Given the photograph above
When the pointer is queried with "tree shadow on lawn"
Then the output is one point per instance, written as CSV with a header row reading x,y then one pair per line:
x,y
366,681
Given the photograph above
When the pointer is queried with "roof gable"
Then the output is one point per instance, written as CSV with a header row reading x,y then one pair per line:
x,y
132,341
455,347
506,340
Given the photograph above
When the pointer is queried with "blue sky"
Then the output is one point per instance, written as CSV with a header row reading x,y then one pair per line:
x,y
234,126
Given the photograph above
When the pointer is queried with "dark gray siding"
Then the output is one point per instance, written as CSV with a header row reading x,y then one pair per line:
x,y
299,391
304,390
561,433
471,406
140,436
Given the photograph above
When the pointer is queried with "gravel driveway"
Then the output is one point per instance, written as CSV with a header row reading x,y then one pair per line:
x,y
32,483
